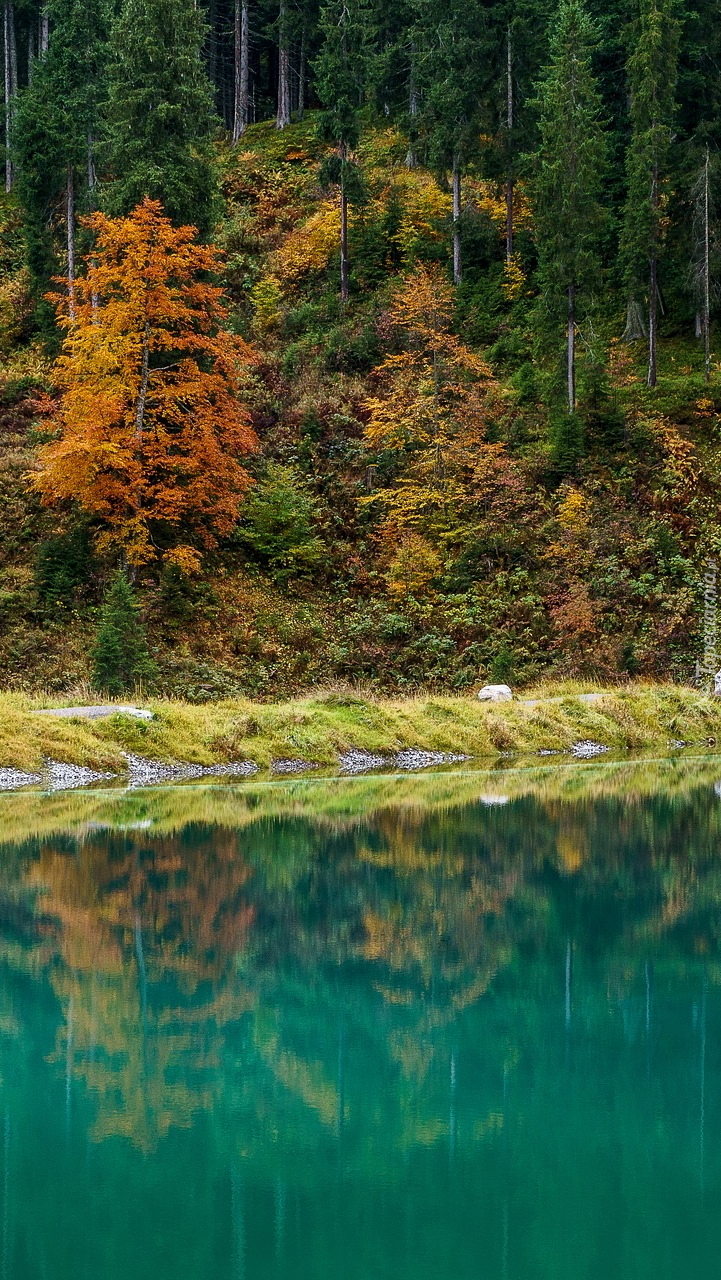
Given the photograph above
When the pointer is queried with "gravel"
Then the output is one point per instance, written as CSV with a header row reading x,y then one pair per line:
x,y
361,762
66,777
143,772
415,759
11,779
293,766
586,749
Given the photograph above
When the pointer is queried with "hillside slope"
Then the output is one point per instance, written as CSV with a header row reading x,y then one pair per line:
x,y
502,545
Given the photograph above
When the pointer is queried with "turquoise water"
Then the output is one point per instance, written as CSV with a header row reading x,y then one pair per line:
x,y
415,1030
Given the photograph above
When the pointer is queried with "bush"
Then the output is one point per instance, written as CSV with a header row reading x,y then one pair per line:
x,y
278,524
121,659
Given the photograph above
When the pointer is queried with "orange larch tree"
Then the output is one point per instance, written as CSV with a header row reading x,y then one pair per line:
x,y
151,423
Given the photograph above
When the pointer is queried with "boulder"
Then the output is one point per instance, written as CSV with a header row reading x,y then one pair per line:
x,y
495,693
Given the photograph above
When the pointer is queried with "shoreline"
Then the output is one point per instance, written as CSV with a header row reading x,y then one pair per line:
x,y
343,729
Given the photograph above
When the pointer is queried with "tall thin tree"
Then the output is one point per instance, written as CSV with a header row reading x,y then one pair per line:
x,y
568,180
652,71
241,63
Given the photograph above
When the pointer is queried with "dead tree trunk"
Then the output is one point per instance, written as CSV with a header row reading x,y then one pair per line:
x,y
509,169
44,31
343,228
571,350
706,272
70,222
8,98
301,77
242,63
457,267
411,158
283,114
653,285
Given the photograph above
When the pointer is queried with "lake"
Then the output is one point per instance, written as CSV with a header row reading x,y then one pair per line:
x,y
455,1025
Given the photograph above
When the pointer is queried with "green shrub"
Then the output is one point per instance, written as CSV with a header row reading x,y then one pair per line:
x,y
121,658
278,524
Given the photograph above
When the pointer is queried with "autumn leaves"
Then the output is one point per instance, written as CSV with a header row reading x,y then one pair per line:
x,y
151,426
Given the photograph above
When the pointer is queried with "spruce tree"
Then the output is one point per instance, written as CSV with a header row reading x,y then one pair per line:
x,y
340,82
56,129
454,74
652,78
568,180
160,118
121,659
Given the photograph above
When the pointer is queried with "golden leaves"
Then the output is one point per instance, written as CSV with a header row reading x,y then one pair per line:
x,y
150,425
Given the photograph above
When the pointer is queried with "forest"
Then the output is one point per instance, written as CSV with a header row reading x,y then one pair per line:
x,y
349,341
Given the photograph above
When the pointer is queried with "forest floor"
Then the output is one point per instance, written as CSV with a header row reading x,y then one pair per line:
x,y
323,729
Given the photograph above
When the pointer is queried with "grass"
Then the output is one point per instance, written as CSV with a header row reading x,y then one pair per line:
x,y
320,726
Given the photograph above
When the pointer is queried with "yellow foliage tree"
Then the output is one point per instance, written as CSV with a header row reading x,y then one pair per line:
x,y
150,425
433,400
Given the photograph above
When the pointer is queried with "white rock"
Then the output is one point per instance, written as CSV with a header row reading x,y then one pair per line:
x,y
495,693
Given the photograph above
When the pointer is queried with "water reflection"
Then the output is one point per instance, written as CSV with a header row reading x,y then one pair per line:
x,y
380,1027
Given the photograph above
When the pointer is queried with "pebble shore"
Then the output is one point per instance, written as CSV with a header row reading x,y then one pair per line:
x,y
142,772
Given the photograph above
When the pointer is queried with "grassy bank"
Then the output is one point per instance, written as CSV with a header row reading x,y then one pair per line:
x,y
319,727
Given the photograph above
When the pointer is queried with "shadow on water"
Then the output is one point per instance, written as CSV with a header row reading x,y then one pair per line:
x,y
445,1025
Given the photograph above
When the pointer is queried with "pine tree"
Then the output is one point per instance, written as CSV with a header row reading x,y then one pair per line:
x,y
652,70
121,658
340,81
160,114
568,180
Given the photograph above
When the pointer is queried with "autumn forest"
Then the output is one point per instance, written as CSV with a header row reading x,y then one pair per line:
x,y
342,340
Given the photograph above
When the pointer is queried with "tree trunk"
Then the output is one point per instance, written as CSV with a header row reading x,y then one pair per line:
x,y
44,31
343,229
457,269
144,378
411,158
571,351
283,114
8,98
31,54
70,222
509,171
301,77
706,273
653,286
213,50
240,114
13,55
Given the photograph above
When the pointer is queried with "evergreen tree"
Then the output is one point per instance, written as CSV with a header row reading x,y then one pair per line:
x,y
568,179
454,80
160,114
121,658
340,82
56,128
652,77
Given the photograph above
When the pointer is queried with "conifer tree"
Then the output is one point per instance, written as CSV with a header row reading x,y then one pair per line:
x,y
58,121
160,113
340,81
652,69
568,180
121,658
454,79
